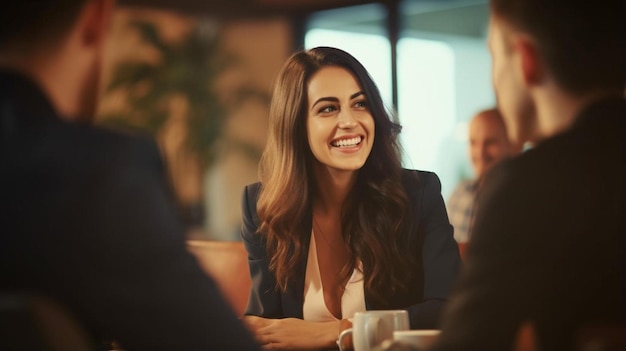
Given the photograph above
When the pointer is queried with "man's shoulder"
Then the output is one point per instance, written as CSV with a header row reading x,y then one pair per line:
x,y
102,141
599,128
595,141
522,171
467,186
463,196
61,148
586,154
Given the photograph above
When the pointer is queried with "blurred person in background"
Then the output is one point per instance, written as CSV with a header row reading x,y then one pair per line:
x,y
87,215
488,144
548,245
336,226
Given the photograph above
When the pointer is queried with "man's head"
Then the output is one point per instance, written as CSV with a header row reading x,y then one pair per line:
x,y
575,47
59,44
30,23
488,141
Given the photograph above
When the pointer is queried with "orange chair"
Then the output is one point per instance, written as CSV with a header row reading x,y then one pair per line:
x,y
227,263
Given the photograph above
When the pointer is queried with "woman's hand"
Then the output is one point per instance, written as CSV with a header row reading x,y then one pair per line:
x,y
293,333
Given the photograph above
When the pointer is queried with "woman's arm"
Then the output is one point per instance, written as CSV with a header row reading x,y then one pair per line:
x,y
264,314
295,333
440,254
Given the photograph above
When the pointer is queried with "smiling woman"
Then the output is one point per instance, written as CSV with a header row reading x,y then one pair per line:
x,y
340,127
336,226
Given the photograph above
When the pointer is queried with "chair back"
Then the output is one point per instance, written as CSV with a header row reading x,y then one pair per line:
x,y
227,263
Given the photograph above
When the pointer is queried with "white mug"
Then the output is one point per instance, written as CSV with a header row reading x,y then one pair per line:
x,y
371,328
423,339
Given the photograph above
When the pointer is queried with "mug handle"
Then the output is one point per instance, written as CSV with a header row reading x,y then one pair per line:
x,y
342,335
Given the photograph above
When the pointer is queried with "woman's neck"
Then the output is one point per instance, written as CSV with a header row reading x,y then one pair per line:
x,y
332,189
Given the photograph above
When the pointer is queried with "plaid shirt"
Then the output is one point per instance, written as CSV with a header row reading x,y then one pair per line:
x,y
461,209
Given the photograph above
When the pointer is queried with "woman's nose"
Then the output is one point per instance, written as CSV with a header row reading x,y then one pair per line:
x,y
346,119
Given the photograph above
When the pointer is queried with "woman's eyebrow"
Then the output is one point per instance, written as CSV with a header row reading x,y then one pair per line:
x,y
357,94
334,99
331,99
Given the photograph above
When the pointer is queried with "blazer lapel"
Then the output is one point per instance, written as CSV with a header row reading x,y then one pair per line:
x,y
293,298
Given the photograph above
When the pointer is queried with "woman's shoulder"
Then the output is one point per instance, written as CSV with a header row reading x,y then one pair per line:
x,y
252,190
417,179
421,186
249,199
250,218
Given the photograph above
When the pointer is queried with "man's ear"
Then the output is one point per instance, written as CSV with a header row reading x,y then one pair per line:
x,y
526,339
95,19
530,63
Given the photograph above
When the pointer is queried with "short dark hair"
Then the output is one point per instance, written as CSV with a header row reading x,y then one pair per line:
x,y
582,41
33,22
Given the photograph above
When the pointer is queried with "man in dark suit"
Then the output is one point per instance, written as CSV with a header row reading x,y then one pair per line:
x,y
549,239
87,215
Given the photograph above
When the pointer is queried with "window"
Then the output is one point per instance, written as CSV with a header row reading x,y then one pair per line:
x,y
359,30
444,78
443,69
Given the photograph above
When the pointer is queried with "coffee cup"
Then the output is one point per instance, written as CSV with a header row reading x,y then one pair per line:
x,y
371,328
422,339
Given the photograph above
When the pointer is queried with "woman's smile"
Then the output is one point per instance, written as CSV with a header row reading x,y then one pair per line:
x,y
347,143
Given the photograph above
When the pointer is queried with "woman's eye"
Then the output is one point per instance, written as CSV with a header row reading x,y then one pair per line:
x,y
328,109
361,104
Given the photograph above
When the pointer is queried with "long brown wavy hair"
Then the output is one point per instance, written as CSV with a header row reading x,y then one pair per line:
x,y
374,217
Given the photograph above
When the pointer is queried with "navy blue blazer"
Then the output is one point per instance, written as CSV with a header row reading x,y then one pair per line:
x,y
432,240
549,241
88,219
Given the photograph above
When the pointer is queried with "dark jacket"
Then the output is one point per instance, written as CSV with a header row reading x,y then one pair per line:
x,y
88,219
431,241
548,245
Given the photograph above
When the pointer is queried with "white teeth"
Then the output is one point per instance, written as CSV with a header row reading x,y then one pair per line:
x,y
347,142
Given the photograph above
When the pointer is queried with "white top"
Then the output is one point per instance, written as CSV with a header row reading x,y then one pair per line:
x,y
314,308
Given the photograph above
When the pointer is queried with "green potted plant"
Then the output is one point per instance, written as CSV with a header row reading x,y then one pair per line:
x,y
186,69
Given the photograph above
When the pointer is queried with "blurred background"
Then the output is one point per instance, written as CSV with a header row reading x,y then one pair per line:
x,y
196,75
